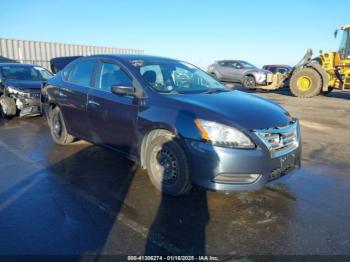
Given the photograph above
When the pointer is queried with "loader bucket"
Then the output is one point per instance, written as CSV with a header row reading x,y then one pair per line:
x,y
277,82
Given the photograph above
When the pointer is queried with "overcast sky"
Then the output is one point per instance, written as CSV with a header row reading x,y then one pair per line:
x,y
198,31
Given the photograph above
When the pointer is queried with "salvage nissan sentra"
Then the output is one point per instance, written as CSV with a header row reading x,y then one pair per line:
x,y
178,122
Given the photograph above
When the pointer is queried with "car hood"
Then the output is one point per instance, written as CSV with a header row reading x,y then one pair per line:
x,y
236,108
22,84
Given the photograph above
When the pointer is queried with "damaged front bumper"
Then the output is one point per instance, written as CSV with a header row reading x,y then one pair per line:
x,y
27,101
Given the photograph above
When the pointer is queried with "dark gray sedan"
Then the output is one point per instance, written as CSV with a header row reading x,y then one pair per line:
x,y
179,123
239,71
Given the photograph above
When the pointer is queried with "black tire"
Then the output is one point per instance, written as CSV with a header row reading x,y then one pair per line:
x,y
58,128
311,88
167,166
249,82
330,89
8,107
2,113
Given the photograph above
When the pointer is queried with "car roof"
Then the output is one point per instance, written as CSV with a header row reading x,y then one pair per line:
x,y
129,57
231,61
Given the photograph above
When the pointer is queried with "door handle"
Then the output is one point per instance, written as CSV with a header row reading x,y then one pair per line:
x,y
60,94
92,102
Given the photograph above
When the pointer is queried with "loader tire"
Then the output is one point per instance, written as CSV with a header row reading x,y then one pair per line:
x,y
8,107
306,83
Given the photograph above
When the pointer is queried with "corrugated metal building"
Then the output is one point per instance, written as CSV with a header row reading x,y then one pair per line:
x,y
40,53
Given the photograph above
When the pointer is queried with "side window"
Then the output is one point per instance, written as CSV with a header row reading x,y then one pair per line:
x,y
236,65
282,70
153,74
112,74
81,73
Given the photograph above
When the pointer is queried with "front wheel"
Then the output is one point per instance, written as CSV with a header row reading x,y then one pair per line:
x,y
58,128
306,83
249,82
167,166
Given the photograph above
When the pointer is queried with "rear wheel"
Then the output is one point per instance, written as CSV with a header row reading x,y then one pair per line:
x,y
167,166
58,128
249,82
306,83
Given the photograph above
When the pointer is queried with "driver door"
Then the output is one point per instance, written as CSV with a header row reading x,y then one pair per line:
x,y
112,118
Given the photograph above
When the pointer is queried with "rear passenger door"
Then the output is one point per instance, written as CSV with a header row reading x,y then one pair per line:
x,y
224,70
112,118
72,97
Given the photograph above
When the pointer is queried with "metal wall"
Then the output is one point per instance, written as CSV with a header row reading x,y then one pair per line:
x,y
40,53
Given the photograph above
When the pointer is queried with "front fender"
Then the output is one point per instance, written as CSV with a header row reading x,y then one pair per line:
x,y
180,123
322,72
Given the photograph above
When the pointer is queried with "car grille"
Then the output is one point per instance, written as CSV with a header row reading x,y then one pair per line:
x,y
280,140
34,95
281,171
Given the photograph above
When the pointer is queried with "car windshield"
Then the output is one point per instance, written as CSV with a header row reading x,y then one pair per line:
x,y
247,65
177,77
20,72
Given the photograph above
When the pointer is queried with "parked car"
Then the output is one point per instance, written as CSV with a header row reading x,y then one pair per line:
x,y
285,70
181,124
58,63
238,71
7,60
20,86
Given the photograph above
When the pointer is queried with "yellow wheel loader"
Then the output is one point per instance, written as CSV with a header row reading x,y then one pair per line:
x,y
311,77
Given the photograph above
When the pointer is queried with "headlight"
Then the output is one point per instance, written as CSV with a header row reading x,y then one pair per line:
x,y
223,135
14,90
259,76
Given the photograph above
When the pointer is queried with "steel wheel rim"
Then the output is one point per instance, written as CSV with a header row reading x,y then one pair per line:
x,y
249,82
57,126
304,83
164,165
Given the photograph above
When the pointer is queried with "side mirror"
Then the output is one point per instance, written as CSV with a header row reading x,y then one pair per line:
x,y
123,90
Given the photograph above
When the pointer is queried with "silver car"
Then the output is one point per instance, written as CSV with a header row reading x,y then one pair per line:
x,y
239,71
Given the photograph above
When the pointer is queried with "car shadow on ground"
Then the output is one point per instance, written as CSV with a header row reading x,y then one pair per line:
x,y
182,220
61,209
90,201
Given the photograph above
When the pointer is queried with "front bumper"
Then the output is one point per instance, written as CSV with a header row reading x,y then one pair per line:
x,y
28,106
264,79
217,168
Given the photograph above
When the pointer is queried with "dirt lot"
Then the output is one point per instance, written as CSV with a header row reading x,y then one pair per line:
x,y
83,199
